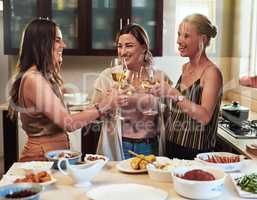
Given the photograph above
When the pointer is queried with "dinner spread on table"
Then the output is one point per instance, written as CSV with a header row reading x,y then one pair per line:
x,y
202,178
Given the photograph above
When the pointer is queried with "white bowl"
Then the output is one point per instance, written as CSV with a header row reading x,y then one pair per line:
x,y
18,187
55,156
162,175
75,98
227,167
199,189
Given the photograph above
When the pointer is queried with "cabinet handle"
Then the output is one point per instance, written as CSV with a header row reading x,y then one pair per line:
x,y
128,21
120,23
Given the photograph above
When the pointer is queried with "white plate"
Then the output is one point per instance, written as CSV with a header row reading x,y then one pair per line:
x,y
37,166
124,166
126,192
21,168
9,179
241,192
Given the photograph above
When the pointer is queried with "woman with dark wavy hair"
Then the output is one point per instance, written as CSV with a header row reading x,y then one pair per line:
x,y
36,92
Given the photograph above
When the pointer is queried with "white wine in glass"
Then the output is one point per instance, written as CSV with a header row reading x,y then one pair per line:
x,y
119,73
148,80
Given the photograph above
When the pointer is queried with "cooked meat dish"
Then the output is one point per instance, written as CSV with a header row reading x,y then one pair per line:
x,y
198,175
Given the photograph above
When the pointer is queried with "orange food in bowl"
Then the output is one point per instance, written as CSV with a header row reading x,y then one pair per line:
x,y
40,177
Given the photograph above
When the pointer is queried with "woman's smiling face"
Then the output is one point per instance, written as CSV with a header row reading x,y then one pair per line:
x,y
131,51
188,40
59,45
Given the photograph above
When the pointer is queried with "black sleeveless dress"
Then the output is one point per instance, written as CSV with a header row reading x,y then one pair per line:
x,y
185,137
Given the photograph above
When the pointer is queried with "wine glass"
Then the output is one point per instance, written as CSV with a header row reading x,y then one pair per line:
x,y
148,80
119,74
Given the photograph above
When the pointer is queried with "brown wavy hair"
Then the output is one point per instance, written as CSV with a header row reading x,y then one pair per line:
x,y
142,37
36,48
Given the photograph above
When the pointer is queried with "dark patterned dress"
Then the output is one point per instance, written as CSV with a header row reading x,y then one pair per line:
x,y
185,136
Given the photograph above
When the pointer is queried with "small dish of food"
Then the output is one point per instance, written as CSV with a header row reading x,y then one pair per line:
x,y
245,184
72,156
229,162
198,183
42,178
21,191
162,168
91,158
136,165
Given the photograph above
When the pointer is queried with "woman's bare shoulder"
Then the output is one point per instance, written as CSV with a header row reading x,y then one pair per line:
x,y
213,74
33,77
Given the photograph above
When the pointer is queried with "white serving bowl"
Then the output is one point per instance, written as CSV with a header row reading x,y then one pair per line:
x,y
75,98
162,175
199,189
227,167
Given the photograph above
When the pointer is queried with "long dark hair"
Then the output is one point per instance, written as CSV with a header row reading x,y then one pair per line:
x,y
142,37
36,48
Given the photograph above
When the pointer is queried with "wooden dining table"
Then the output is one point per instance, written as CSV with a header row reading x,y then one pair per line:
x,y
64,187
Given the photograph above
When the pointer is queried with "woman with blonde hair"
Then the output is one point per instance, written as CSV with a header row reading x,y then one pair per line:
x,y
191,123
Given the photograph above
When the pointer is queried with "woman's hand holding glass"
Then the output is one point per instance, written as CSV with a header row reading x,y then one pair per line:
x,y
162,89
165,90
113,99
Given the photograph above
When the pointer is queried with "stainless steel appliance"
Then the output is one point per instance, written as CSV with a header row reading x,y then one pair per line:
x,y
246,130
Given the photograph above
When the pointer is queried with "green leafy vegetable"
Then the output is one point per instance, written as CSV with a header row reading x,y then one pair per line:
x,y
248,183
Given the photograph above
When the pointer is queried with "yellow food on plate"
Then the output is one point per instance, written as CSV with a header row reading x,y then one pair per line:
x,y
138,163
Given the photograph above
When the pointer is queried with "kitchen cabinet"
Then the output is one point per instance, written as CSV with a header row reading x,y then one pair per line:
x,y
89,27
148,13
65,12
